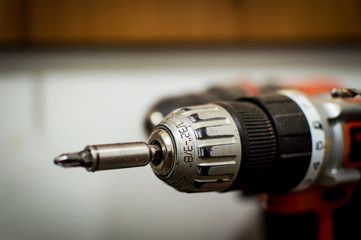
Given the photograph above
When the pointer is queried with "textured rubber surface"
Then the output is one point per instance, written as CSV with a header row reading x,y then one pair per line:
x,y
276,143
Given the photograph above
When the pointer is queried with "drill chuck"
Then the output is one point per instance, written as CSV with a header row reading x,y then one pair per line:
x,y
252,144
207,148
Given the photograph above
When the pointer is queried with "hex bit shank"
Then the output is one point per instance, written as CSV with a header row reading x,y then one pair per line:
x,y
110,156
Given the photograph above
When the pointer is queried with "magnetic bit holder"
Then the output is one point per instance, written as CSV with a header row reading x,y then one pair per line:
x,y
110,156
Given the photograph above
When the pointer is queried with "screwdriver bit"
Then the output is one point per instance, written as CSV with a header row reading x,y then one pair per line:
x,y
110,156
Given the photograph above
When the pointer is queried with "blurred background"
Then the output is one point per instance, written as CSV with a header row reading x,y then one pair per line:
x,y
74,73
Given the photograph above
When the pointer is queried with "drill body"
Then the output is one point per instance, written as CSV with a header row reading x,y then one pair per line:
x,y
299,154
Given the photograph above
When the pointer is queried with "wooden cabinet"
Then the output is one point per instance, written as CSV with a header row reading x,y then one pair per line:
x,y
162,22
11,21
303,21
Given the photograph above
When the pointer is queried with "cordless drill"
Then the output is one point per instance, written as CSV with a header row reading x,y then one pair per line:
x,y
299,154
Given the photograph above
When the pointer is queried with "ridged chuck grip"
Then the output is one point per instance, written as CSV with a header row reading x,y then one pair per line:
x,y
276,143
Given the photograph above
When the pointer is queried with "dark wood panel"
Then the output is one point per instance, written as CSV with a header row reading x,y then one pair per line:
x,y
298,21
12,21
179,22
134,21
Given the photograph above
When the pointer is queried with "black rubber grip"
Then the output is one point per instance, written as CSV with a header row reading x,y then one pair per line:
x,y
276,143
258,142
294,139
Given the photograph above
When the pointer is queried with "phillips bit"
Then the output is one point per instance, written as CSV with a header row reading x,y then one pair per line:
x,y
76,159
